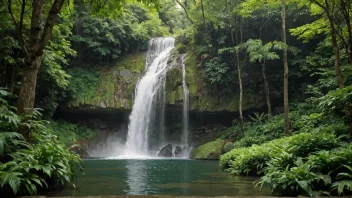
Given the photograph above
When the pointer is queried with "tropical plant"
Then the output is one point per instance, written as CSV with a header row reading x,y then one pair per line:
x,y
253,160
258,117
26,168
344,185
322,173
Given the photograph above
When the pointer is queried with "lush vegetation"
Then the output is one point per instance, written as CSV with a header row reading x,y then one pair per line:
x,y
49,51
290,59
69,133
38,164
313,161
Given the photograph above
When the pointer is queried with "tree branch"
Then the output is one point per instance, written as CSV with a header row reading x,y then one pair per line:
x,y
184,9
36,19
49,25
19,27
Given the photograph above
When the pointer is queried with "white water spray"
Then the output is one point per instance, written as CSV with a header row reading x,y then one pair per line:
x,y
147,89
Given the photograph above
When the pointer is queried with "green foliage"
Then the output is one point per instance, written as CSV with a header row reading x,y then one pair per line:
x,y
336,100
69,133
53,80
253,160
345,181
84,84
215,70
102,40
26,168
181,48
258,117
249,141
259,52
323,173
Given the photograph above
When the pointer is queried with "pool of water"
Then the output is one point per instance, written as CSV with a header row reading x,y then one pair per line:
x,y
159,177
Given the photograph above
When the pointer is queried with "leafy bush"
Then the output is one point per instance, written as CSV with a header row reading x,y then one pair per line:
x,y
215,69
181,48
254,159
26,168
84,84
324,172
69,133
249,141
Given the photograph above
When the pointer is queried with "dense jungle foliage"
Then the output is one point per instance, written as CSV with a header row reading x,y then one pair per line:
x,y
295,54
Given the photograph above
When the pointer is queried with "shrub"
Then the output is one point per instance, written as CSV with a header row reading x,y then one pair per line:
x,y
249,141
69,133
26,168
46,163
254,159
324,172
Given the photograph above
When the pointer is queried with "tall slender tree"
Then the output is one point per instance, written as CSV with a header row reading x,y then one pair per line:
x,y
285,60
33,47
262,53
329,7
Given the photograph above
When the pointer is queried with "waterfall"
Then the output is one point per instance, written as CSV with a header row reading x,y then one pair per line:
x,y
185,103
149,91
162,103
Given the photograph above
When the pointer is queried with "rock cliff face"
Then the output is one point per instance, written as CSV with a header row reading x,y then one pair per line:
x,y
111,97
202,98
116,88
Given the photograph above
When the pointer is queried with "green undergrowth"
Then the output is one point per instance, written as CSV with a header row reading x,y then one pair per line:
x,y
40,163
253,160
69,133
313,160
327,172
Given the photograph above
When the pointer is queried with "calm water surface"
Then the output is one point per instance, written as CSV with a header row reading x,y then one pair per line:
x,y
160,177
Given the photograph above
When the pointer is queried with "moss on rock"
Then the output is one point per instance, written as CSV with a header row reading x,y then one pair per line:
x,y
174,86
227,147
209,151
114,87
111,88
202,98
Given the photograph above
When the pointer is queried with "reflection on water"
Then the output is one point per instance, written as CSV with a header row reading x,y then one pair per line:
x,y
160,177
136,177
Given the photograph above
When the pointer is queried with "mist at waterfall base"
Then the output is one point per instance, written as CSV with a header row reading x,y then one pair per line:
x,y
147,118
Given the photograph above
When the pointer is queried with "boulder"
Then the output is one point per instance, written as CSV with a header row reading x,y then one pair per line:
x,y
193,153
166,151
178,151
227,147
78,150
209,151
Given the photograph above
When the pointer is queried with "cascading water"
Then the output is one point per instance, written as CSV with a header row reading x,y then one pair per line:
x,y
149,88
185,103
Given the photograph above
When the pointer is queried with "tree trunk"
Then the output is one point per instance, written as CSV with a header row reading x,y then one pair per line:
x,y
26,96
203,14
336,53
286,108
345,10
267,91
241,94
39,36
